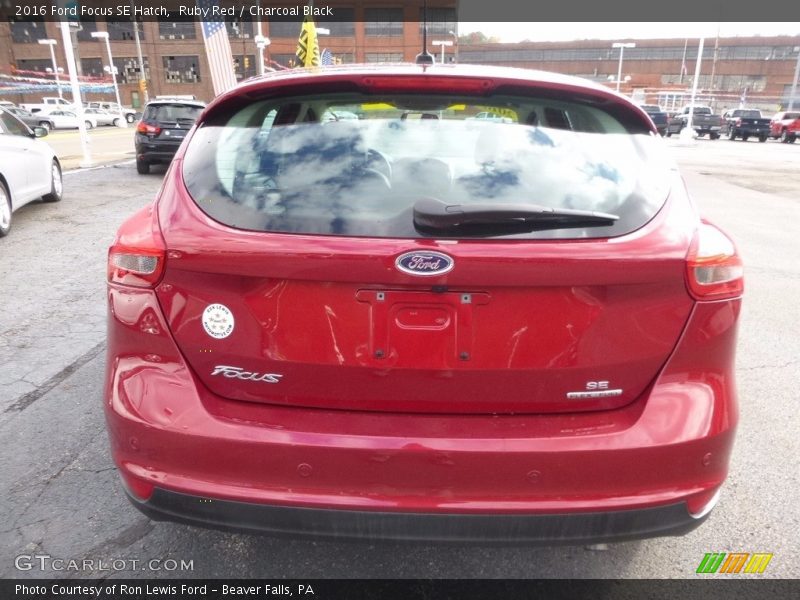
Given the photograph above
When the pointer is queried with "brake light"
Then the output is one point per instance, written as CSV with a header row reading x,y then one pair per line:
x,y
429,83
146,129
713,266
738,122
137,255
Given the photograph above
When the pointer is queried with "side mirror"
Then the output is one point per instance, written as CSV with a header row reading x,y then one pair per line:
x,y
39,132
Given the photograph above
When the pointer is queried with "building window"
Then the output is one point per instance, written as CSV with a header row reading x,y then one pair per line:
x,y
35,65
341,23
88,26
181,69
244,66
383,22
441,21
92,67
284,60
28,32
381,57
241,30
176,30
122,31
285,27
128,69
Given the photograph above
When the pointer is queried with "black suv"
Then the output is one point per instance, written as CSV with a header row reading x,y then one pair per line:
x,y
165,122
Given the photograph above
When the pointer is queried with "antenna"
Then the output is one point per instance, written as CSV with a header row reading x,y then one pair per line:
x,y
424,57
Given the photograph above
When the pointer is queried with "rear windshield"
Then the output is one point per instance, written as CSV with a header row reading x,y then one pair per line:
x,y
171,113
749,114
357,165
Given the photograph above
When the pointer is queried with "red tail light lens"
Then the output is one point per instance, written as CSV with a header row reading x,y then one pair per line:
x,y
137,256
713,266
738,122
146,129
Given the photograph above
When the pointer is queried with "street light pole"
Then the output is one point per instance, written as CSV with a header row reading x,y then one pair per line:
x,y
442,43
142,78
103,35
66,38
455,46
52,43
621,46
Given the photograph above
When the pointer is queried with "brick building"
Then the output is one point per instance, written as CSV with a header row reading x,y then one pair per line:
x,y
174,53
758,69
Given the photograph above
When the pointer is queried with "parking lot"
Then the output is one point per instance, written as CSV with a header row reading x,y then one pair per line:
x,y
63,499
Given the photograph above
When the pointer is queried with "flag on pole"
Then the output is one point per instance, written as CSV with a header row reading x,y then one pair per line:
x,y
308,46
326,58
218,50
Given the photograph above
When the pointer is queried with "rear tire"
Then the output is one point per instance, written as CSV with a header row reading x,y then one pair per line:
x,y
762,138
5,210
745,138
129,118
142,167
713,136
115,122
56,184
45,125
88,124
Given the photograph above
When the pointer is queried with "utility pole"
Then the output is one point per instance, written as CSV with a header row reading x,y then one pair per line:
x,y
142,77
66,38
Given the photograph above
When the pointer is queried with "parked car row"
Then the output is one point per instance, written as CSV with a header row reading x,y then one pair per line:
x,y
95,113
736,123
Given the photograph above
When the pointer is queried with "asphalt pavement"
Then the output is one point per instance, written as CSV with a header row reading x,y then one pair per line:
x,y
61,494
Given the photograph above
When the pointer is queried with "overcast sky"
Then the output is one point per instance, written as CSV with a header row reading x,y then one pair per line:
x,y
544,32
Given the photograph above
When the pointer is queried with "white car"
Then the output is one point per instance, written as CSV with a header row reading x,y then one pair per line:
x,y
65,119
29,169
103,117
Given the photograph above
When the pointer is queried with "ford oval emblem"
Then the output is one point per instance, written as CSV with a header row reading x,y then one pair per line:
x,y
424,263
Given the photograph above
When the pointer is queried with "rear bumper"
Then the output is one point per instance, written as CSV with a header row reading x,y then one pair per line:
x,y
550,529
637,471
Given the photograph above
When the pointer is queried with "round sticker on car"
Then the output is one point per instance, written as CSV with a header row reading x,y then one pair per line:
x,y
424,263
218,321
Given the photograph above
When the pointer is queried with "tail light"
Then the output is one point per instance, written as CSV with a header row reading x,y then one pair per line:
x,y
138,253
146,129
714,268
738,122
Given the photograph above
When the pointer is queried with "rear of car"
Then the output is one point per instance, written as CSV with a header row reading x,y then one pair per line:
x,y
745,123
785,126
162,129
449,330
658,116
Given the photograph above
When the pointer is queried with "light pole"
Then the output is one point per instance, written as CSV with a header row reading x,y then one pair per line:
x,y
455,45
621,46
103,35
51,43
442,43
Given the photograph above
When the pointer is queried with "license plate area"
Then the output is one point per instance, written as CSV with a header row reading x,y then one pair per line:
x,y
421,330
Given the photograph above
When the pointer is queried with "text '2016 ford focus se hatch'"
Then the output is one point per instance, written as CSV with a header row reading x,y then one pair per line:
x,y
419,325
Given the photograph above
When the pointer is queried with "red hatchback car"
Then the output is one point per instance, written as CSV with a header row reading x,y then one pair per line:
x,y
433,328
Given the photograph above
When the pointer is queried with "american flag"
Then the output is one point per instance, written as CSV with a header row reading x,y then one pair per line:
x,y
326,59
218,50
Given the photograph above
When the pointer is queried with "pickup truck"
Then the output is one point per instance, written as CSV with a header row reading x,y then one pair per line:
x,y
48,104
657,115
745,123
704,121
786,126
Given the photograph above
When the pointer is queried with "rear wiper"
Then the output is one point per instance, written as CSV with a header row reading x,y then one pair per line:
x,y
432,215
